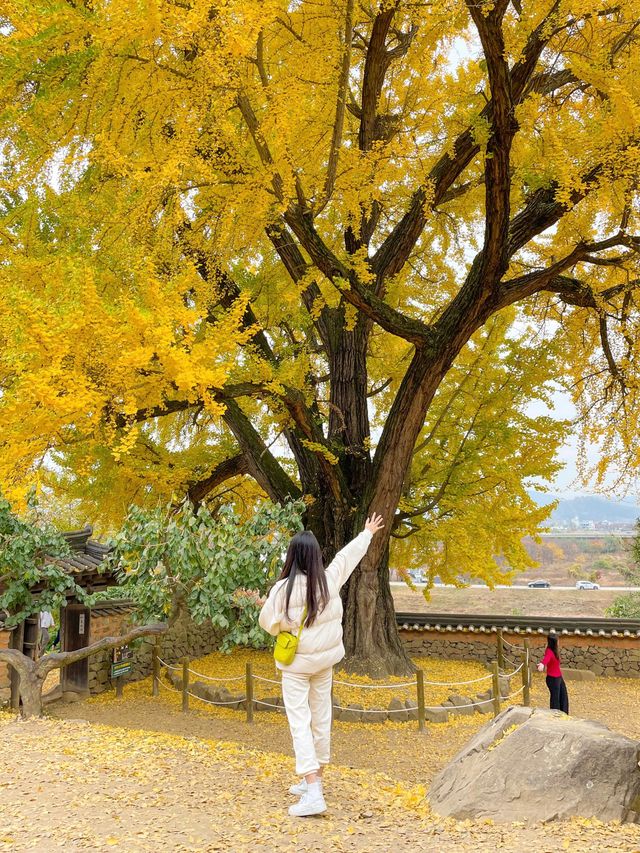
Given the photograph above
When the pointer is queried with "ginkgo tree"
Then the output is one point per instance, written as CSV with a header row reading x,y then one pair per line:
x,y
328,248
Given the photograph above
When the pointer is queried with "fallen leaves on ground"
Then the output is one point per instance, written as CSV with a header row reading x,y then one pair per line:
x,y
69,785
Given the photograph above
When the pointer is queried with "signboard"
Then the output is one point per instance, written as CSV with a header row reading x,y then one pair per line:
x,y
122,662
81,619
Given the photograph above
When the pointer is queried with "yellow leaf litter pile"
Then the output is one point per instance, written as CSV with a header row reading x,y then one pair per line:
x,y
228,671
71,785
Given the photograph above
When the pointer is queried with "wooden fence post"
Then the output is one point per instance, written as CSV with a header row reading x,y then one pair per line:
x,y
526,675
500,642
249,693
155,659
420,692
185,684
496,689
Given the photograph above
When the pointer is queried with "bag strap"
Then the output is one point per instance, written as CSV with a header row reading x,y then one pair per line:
x,y
304,616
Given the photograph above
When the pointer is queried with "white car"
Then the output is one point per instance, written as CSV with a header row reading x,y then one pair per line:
x,y
417,575
587,585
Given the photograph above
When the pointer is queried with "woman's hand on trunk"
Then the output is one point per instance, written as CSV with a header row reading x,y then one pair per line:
x,y
374,523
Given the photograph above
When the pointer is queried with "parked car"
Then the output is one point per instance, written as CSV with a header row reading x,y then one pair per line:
x,y
417,575
587,585
540,584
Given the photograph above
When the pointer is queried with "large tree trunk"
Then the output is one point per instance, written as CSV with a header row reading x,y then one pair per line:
x,y
371,637
31,685
30,681
373,646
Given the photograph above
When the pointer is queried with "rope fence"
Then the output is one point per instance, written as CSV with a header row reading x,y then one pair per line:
x,y
397,686
420,708
516,650
211,678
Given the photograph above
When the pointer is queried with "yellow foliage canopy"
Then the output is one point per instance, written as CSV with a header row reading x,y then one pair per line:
x,y
321,249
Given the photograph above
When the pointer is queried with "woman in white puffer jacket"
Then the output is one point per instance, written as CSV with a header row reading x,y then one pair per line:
x,y
306,682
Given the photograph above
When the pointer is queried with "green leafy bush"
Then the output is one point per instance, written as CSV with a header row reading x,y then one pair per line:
x,y
30,579
626,606
167,558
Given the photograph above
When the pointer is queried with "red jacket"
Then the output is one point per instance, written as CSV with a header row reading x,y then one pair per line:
x,y
552,664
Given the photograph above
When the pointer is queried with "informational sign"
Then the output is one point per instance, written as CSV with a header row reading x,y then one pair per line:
x,y
81,619
122,663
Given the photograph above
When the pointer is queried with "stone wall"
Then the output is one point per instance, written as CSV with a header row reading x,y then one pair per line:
x,y
184,639
610,656
5,681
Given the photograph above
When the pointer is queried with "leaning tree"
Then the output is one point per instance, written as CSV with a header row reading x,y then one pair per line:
x,y
33,577
330,248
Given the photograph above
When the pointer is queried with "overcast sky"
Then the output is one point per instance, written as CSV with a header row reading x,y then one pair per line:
x,y
567,482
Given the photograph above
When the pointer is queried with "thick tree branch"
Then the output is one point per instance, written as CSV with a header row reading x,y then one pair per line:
x,y
225,470
397,247
250,118
291,256
43,666
542,210
371,305
376,64
550,278
503,128
341,103
58,659
261,464
614,370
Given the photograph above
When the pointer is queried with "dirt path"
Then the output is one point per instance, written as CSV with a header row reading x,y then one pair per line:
x,y
69,785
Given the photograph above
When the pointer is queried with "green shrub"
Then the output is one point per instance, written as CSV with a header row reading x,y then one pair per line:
x,y
626,606
167,559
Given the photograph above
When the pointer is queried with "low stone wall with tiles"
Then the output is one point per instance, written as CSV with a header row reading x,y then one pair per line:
x,y
609,656
5,681
184,639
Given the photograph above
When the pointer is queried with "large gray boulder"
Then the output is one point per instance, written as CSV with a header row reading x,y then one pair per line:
x,y
539,765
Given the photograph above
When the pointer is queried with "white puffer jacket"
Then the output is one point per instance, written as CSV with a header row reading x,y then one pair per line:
x,y
320,645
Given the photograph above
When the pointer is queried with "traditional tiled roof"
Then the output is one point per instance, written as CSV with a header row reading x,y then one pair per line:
x,y
85,561
86,553
113,606
530,625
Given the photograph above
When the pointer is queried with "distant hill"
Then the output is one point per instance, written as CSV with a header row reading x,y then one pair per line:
x,y
588,508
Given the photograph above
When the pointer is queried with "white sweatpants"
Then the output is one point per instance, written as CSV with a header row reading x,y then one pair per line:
x,y
307,701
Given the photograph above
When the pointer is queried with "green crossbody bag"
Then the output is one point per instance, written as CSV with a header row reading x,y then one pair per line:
x,y
286,645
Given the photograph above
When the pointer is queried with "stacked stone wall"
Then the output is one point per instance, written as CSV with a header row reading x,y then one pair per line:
x,y
609,656
184,639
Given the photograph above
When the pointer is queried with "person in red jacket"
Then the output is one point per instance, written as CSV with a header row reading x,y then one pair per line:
x,y
558,696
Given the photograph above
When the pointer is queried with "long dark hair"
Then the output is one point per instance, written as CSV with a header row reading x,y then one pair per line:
x,y
304,556
552,643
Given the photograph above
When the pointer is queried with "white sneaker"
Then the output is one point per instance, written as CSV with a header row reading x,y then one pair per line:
x,y
311,803
300,788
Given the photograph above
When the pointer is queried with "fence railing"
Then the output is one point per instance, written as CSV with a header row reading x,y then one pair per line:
x,y
251,679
